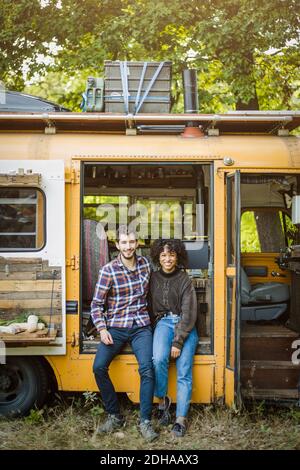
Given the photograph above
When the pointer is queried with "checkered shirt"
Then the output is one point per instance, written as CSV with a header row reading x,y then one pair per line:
x,y
121,295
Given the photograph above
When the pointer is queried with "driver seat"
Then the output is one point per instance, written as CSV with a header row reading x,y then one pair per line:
x,y
264,301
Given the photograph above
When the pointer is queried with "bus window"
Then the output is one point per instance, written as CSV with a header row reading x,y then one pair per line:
x,y
22,219
264,230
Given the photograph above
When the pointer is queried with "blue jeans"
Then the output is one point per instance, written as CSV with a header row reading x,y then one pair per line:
x,y
140,339
162,344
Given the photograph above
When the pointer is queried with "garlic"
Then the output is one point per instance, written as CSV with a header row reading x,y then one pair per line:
x,y
11,329
32,322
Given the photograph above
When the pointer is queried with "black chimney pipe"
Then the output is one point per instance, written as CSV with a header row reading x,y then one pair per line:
x,y
190,87
189,77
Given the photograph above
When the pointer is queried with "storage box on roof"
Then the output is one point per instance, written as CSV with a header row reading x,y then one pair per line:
x,y
132,87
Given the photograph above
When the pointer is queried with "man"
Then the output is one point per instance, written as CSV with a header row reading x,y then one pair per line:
x,y
122,288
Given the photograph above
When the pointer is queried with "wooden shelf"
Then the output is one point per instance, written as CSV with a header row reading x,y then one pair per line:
x,y
42,337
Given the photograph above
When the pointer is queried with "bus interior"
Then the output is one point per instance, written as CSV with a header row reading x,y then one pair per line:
x,y
163,201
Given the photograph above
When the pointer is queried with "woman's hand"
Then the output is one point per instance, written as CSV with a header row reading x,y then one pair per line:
x,y
175,352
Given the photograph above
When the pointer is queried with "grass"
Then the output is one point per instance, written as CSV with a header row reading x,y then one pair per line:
x,y
71,423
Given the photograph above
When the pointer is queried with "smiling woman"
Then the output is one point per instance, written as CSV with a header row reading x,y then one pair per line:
x,y
173,306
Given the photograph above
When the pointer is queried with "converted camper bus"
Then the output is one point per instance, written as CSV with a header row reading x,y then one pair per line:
x,y
62,173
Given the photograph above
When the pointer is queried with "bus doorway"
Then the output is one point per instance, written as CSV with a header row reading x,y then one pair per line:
x,y
269,288
162,201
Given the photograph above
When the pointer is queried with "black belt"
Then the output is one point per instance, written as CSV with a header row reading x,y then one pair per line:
x,y
169,314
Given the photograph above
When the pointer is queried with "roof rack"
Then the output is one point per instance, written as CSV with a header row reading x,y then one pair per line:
x,y
235,122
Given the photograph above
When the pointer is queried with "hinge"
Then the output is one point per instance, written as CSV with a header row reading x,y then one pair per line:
x,y
74,177
74,339
73,262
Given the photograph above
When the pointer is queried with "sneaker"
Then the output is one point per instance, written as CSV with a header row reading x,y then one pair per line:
x,y
178,430
164,416
147,431
111,424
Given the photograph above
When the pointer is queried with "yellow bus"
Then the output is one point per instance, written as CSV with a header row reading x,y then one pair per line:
x,y
60,172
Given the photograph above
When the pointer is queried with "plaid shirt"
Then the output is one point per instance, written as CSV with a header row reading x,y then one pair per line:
x,y
121,295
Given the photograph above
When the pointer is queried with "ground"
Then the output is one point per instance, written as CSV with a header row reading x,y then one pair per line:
x,y
71,423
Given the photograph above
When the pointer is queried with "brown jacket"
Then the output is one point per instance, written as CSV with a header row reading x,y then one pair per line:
x,y
174,293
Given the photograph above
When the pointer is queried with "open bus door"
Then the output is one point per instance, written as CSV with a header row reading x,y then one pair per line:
x,y
233,215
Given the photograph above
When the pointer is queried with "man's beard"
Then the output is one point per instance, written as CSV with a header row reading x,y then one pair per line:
x,y
128,256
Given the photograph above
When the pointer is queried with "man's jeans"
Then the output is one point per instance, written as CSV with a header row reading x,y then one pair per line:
x,y
162,344
140,339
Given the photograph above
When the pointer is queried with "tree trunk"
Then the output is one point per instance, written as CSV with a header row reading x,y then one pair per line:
x,y
252,104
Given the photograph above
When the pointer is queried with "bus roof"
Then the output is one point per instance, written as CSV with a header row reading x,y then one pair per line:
x,y
234,122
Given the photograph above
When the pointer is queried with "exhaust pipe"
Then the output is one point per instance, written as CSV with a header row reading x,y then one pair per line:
x,y
189,77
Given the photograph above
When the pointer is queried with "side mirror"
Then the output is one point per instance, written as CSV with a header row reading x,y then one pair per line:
x,y
296,209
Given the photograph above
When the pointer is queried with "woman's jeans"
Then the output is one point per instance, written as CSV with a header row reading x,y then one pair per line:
x,y
162,344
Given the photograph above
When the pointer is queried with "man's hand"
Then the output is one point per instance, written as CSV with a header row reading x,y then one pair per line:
x,y
106,337
175,352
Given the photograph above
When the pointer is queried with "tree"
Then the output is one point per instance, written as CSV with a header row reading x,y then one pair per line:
x,y
33,31
26,29
234,35
246,51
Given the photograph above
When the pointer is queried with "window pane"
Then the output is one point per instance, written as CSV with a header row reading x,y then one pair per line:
x,y
270,230
292,232
262,231
21,219
249,236
231,224
157,217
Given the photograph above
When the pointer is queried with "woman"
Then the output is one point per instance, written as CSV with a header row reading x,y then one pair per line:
x,y
174,310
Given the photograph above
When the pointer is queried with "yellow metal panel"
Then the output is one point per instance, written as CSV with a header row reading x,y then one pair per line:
x,y
268,260
77,375
246,151
219,282
229,384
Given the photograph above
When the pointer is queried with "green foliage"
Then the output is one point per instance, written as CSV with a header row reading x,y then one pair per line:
x,y
26,30
249,236
61,88
246,51
93,404
97,411
294,413
90,398
35,417
21,317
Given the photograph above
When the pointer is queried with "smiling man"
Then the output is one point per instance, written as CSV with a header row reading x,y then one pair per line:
x,y
119,312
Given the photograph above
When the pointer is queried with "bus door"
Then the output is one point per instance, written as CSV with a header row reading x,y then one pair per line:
x,y
233,215
32,255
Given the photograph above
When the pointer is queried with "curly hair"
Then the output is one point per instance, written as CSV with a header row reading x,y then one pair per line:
x,y
173,245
